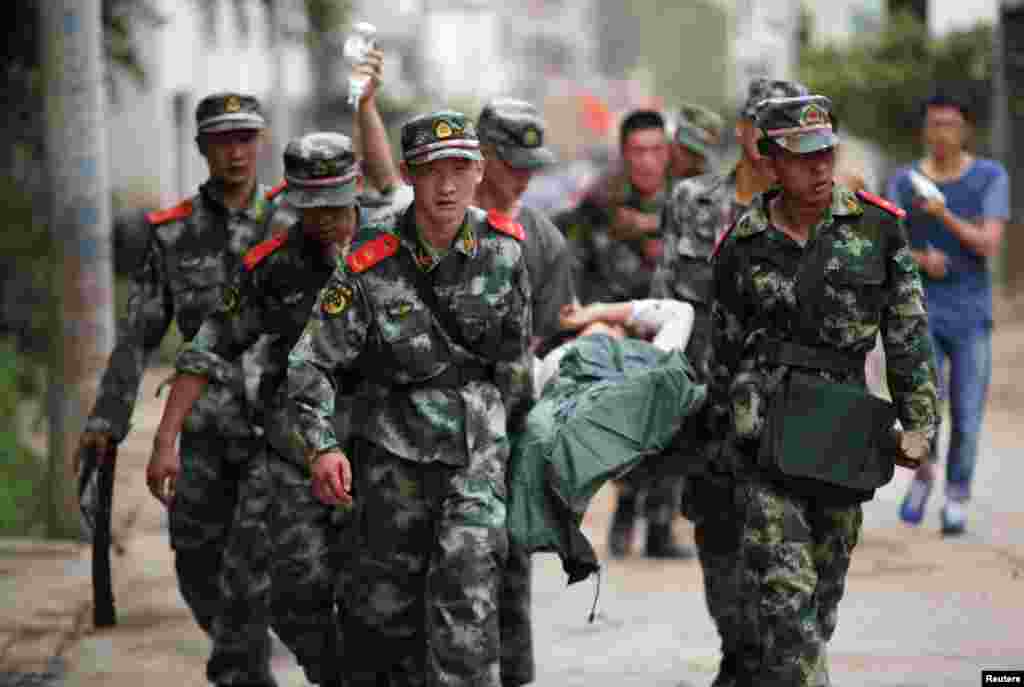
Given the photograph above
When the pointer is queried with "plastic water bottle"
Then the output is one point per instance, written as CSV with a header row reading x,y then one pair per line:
x,y
357,48
925,187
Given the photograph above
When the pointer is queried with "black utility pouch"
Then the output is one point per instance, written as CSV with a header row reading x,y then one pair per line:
x,y
835,433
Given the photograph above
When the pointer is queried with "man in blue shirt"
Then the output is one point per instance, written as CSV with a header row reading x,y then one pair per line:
x,y
954,235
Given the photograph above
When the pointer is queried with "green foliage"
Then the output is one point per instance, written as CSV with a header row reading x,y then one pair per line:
x,y
879,81
21,471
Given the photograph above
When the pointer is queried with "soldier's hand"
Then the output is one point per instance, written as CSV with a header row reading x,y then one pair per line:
x,y
632,224
653,250
912,449
372,67
101,442
162,472
332,478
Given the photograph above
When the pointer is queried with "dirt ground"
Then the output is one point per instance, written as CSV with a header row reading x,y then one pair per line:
x,y
1007,391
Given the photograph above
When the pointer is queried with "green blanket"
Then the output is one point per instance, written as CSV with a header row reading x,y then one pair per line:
x,y
613,402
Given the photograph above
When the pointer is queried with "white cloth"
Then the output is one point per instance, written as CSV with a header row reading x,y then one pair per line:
x,y
665,322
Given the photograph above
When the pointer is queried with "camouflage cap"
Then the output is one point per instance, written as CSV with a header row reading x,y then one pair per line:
x,y
437,135
799,125
516,130
321,171
227,112
763,89
698,129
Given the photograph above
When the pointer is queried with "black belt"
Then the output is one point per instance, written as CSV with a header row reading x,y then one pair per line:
x,y
814,357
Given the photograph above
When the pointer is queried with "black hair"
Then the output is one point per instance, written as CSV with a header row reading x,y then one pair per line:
x,y
640,119
554,341
946,99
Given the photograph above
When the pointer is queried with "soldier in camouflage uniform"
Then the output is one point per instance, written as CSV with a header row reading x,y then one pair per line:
x,y
193,249
614,230
803,284
698,130
512,142
697,214
272,298
436,316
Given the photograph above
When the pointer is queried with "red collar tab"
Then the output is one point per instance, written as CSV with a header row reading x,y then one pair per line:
x,y
261,250
506,225
878,201
372,252
276,191
179,211
721,241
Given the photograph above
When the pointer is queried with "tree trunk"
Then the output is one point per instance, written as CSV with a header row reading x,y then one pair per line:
x,y
83,331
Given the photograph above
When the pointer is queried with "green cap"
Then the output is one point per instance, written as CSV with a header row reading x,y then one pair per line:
x,y
321,171
762,89
228,112
698,128
437,135
516,130
799,125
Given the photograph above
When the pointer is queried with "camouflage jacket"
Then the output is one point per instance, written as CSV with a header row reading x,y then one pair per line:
x,y
610,270
268,303
192,253
854,278
698,212
427,394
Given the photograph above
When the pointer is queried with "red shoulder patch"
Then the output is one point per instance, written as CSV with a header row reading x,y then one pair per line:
x,y
506,225
721,240
372,252
261,250
179,211
276,191
878,201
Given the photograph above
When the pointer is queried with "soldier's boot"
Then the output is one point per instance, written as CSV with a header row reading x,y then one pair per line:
x,y
661,543
620,536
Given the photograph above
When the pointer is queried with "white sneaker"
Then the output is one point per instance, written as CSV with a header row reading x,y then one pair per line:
x,y
954,518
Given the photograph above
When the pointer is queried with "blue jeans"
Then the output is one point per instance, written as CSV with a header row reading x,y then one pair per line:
x,y
968,349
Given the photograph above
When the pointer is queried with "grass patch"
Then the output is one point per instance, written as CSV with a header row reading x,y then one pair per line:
x,y
22,472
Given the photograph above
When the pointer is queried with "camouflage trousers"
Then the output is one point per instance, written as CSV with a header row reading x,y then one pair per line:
x,y
654,483
793,559
312,544
423,594
218,530
517,664
711,505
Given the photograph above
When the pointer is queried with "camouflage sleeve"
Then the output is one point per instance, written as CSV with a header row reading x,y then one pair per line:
x,y
735,389
226,332
140,330
514,375
669,230
672,227
332,340
910,364
557,288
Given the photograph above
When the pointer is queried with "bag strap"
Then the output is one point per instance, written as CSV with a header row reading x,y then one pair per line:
x,y
813,357
424,284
